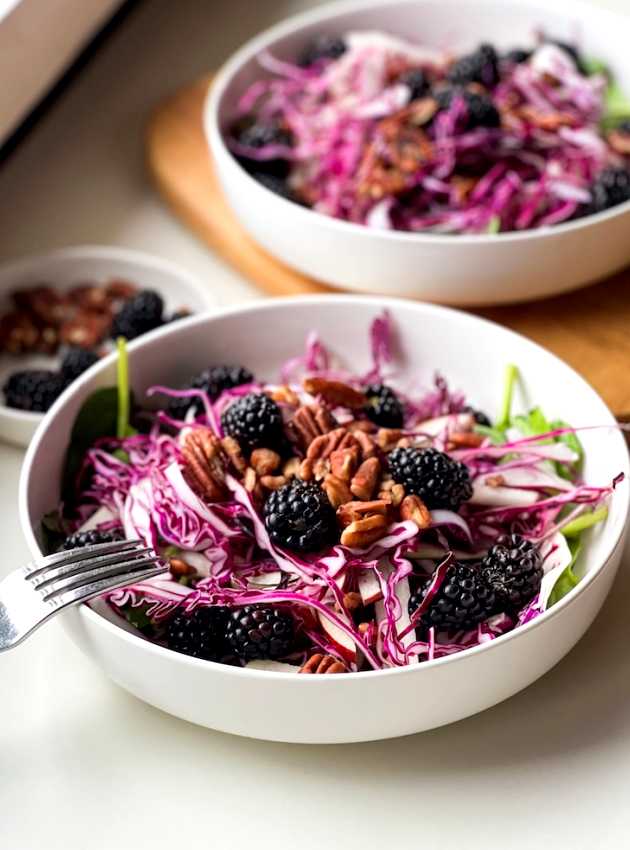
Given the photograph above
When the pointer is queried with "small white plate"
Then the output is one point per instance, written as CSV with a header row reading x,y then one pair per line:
x,y
68,267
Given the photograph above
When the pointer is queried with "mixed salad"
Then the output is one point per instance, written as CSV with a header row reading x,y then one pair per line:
x,y
376,130
328,522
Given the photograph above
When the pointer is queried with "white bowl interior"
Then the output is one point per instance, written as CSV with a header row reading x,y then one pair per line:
x,y
69,267
469,352
456,25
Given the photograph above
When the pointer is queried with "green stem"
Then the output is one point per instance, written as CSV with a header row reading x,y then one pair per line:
x,y
122,425
511,373
585,521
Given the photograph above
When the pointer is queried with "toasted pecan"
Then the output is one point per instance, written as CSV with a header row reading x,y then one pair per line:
x,y
335,392
366,478
204,463
323,664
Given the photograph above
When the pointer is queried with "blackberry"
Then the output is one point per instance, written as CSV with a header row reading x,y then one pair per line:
x,y
479,416
91,538
463,600
481,66
322,47
212,381
140,314
200,634
33,389
513,569
440,481
277,185
573,52
611,188
76,361
416,81
255,421
480,110
384,407
299,516
518,55
256,135
257,631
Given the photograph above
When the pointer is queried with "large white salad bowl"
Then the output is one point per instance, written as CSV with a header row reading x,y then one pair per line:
x,y
449,269
472,353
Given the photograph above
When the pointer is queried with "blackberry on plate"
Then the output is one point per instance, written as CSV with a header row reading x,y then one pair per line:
x,y
384,407
200,634
76,361
612,187
518,55
480,110
322,47
513,569
440,481
277,185
573,52
91,538
481,66
416,81
257,631
463,600
257,135
255,421
479,416
33,389
299,516
212,381
142,313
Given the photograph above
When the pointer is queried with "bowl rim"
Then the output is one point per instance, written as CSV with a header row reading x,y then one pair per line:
x,y
97,620
578,9
91,252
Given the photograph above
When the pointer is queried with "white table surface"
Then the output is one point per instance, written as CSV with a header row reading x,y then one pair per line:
x,y
84,765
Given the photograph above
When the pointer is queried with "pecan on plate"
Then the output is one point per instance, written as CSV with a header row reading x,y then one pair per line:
x,y
337,490
353,511
335,393
203,460
388,437
44,303
86,329
265,461
366,478
323,664
363,532
18,333
311,421
323,446
413,508
344,462
233,451
88,296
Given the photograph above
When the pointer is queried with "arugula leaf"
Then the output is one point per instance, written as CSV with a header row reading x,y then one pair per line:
x,y
495,435
616,105
594,66
534,423
572,441
568,579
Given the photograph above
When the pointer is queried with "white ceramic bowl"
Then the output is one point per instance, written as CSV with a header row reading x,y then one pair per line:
x,y
467,270
359,706
68,267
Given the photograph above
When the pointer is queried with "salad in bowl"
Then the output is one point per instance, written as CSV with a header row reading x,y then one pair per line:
x,y
326,520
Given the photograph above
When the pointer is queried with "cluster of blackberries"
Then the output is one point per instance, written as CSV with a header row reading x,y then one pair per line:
x,y
37,389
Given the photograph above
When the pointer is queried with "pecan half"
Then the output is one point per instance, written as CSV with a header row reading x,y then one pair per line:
x,y
86,330
344,462
363,532
335,392
366,443
397,494
203,459
337,491
324,445
413,508
285,395
388,437
234,453
366,478
272,482
323,664
265,461
312,421
465,439
179,568
353,511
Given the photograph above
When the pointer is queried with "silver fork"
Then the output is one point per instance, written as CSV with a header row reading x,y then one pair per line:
x,y
31,595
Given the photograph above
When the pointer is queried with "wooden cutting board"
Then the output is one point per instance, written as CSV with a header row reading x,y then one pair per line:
x,y
590,328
